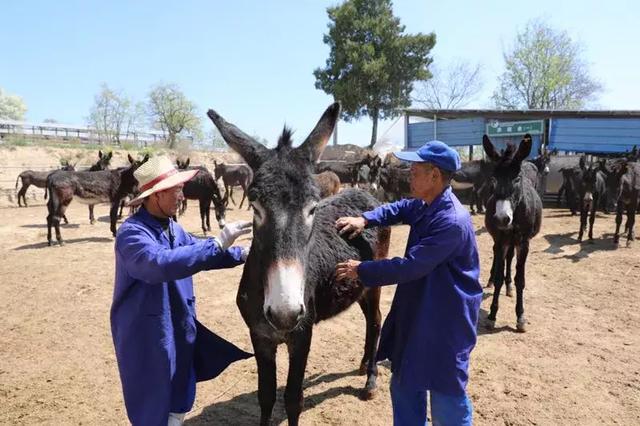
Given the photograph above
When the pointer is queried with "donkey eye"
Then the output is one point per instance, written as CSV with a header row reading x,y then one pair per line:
x,y
312,211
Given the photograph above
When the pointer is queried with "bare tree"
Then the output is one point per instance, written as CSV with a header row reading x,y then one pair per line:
x,y
452,87
544,70
110,113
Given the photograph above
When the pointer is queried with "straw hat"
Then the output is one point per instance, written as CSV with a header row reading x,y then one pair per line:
x,y
158,174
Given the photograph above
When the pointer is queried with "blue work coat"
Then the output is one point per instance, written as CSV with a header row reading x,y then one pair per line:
x,y
162,350
431,327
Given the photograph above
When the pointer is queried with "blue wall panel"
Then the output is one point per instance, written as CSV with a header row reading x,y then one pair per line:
x,y
607,135
459,132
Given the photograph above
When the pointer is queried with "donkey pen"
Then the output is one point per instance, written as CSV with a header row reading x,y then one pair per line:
x,y
576,364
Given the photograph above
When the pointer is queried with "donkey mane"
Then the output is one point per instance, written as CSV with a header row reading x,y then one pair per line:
x,y
285,140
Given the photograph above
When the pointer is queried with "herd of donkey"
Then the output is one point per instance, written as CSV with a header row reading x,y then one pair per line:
x,y
293,183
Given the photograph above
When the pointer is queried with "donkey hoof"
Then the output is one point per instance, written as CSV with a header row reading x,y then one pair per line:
x,y
490,324
489,284
60,243
363,369
50,243
628,243
509,292
521,326
367,394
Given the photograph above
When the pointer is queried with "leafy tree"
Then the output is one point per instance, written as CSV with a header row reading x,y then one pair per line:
x,y
452,87
372,64
111,114
173,113
12,107
544,70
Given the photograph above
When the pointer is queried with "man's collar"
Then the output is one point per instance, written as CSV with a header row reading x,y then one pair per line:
x,y
151,220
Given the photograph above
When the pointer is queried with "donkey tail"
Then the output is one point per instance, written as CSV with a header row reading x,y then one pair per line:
x,y
18,180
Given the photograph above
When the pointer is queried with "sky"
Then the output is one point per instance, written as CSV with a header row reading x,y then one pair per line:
x,y
253,61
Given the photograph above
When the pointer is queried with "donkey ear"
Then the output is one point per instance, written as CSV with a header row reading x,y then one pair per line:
x,y
99,154
252,152
186,163
524,149
490,149
317,140
146,158
110,155
130,158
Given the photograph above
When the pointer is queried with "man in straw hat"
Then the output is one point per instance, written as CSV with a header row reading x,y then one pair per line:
x,y
431,327
161,349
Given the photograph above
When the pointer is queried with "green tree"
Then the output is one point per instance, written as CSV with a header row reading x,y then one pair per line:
x,y
544,70
12,107
372,63
111,114
173,113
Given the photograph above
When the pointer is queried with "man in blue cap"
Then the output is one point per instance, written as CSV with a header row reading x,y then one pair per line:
x,y
431,327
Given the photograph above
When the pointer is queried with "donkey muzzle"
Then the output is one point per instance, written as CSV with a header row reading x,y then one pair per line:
x,y
285,321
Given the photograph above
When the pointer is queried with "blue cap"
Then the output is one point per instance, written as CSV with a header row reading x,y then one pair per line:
x,y
435,152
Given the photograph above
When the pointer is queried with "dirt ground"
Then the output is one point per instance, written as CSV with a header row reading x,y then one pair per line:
x,y
576,364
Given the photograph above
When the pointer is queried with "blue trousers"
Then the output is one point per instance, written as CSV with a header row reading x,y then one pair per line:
x,y
410,407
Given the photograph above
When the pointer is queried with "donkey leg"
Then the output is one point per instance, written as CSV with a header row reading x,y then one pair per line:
x,y
92,220
113,216
592,216
207,212
523,252
498,255
265,351
508,270
492,274
49,225
583,221
21,195
370,305
631,219
202,216
229,190
298,345
619,211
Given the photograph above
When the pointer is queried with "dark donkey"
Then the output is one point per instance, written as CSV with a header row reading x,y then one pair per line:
x,y
628,197
37,179
203,187
91,188
104,160
514,216
240,175
591,187
288,282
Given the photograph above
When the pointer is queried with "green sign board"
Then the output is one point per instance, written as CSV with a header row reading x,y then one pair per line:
x,y
514,128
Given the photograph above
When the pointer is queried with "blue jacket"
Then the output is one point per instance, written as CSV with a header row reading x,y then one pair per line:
x,y
160,347
431,327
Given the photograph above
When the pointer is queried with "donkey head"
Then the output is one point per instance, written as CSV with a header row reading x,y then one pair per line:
x,y
283,195
183,165
588,185
506,183
104,160
542,161
128,183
